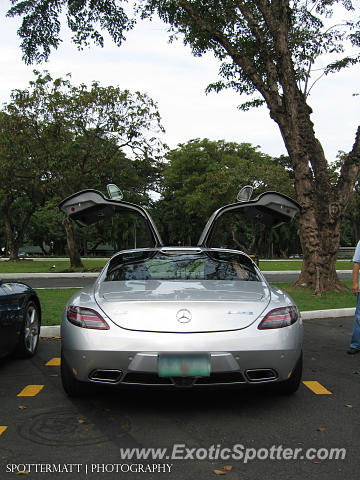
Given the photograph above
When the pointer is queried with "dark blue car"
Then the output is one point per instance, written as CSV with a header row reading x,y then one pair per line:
x,y
20,319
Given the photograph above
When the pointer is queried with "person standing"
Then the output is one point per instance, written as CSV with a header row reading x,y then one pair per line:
x,y
355,338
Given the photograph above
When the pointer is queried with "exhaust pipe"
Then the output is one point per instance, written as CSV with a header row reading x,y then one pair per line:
x,y
105,376
261,375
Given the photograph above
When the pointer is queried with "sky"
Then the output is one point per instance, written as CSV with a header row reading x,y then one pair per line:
x,y
176,80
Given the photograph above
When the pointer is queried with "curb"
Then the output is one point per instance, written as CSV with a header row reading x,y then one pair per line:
x,y
54,330
332,313
50,332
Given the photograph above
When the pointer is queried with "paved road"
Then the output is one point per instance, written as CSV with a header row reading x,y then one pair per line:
x,y
49,280
58,282
51,429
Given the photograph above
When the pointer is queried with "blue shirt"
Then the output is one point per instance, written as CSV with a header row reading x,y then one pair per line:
x,y
356,258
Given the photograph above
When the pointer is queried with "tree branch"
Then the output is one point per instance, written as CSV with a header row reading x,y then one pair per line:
x,y
258,34
237,56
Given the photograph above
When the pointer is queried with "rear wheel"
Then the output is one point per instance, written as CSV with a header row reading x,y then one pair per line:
x,y
30,331
290,386
72,387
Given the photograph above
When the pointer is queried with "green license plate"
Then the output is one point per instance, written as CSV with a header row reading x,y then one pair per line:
x,y
174,365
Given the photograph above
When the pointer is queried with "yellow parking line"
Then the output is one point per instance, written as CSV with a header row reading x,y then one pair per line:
x,y
2,429
30,391
54,362
317,388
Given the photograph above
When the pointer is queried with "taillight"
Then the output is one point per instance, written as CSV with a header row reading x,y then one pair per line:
x,y
279,318
86,318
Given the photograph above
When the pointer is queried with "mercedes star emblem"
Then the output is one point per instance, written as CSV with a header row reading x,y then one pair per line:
x,y
183,316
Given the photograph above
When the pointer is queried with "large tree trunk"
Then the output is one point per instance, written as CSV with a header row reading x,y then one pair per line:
x,y
323,202
319,258
74,254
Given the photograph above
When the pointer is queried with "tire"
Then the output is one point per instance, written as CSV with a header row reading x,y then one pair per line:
x,y
288,387
30,331
72,387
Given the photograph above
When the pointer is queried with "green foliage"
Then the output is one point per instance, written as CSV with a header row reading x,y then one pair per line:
x,y
40,30
45,229
203,175
78,130
21,186
57,138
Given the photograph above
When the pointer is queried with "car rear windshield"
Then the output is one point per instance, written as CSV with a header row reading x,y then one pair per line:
x,y
202,266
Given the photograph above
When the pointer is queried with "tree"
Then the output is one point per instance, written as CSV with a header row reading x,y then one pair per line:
x,y
202,175
135,178
77,135
267,48
45,229
21,185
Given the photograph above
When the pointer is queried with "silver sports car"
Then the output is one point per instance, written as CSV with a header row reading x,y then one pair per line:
x,y
181,316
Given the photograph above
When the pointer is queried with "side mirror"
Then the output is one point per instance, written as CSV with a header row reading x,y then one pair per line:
x,y
245,194
114,192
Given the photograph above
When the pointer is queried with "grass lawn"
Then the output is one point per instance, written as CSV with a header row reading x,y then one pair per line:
x,y
31,266
54,301
305,299
266,265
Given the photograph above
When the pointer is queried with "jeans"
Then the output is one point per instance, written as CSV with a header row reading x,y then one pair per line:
x,y
355,339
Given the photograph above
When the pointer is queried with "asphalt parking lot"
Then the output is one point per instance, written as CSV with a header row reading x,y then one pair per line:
x,y
44,434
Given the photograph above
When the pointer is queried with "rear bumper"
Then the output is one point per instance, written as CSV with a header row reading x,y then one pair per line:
x,y
141,368
124,357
